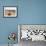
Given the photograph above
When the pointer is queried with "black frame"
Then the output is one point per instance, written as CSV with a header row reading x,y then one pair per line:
x,y
10,6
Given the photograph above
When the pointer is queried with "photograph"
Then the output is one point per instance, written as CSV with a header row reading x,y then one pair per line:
x,y
10,11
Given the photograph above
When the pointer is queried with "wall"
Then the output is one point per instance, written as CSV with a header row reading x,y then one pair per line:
x,y
7,25
32,11
29,12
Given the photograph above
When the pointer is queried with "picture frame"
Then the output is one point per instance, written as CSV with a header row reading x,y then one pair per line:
x,y
39,28
9,11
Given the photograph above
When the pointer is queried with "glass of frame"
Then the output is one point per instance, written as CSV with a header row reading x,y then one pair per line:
x,y
10,11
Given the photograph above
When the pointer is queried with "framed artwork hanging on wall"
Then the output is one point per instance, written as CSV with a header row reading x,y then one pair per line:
x,y
10,11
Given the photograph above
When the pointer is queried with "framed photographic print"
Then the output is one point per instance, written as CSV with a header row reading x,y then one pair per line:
x,y
10,11
33,32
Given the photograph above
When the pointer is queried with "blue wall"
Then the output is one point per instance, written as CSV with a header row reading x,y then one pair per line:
x,y
7,25
29,12
32,11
